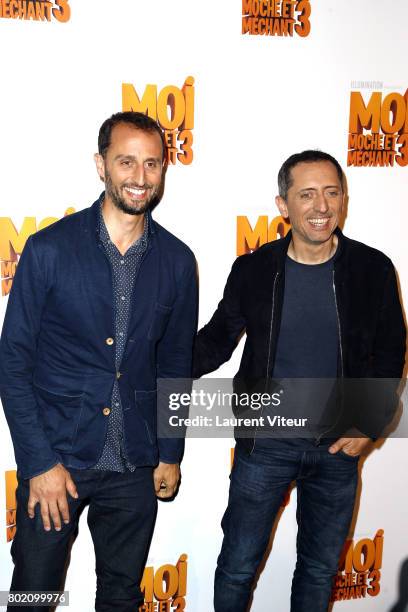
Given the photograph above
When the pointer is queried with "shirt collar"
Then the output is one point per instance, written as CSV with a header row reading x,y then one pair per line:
x,y
104,234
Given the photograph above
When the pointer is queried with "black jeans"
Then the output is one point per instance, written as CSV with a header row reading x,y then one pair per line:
x,y
326,488
121,516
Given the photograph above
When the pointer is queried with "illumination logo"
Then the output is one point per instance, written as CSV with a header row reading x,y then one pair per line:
x,y
12,243
173,108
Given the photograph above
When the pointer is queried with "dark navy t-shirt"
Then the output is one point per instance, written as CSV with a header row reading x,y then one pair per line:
x,y
307,350
308,338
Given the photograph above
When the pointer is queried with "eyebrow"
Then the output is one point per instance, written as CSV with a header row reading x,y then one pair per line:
x,y
133,158
315,189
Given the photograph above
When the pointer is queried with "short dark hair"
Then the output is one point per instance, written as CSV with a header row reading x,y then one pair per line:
x,y
285,180
139,121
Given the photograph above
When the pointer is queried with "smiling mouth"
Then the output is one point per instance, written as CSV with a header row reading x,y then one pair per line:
x,y
319,222
136,193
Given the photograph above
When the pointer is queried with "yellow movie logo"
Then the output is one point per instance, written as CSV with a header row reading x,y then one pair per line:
x,y
359,569
378,129
12,243
165,589
36,10
251,238
11,504
173,108
276,17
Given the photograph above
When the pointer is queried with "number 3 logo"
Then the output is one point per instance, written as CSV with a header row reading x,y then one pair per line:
x,y
374,579
304,8
63,12
402,158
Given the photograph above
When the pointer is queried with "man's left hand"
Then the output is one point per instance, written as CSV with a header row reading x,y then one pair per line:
x,y
166,477
350,446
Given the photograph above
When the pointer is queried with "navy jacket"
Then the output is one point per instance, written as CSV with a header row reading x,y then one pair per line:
x,y
57,353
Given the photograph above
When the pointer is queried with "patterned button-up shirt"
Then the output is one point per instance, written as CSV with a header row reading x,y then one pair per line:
x,y
124,271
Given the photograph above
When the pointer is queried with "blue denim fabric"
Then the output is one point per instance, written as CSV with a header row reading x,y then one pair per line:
x,y
57,347
121,516
326,488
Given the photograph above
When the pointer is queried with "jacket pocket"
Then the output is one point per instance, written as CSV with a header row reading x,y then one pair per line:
x,y
60,415
146,407
161,315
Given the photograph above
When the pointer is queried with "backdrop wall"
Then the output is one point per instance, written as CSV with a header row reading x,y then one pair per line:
x,y
238,87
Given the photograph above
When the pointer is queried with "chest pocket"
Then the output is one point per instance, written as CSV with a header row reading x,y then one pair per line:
x,y
160,319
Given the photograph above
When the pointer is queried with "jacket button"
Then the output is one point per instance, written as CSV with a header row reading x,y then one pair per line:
x,y
109,341
106,411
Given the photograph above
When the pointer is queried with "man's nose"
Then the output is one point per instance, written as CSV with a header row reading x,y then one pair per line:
x,y
138,174
320,203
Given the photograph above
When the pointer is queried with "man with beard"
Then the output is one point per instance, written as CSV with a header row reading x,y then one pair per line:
x,y
103,303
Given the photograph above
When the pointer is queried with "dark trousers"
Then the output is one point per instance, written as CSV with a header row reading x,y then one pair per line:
x,y
121,516
326,487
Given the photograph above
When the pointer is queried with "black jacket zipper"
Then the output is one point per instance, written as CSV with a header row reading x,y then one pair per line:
x,y
317,441
269,350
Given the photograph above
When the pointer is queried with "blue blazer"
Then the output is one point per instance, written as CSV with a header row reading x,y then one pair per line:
x,y
57,352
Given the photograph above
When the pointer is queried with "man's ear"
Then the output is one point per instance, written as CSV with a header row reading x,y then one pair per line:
x,y
281,204
343,202
100,166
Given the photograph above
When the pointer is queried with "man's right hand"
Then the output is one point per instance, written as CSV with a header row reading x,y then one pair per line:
x,y
50,491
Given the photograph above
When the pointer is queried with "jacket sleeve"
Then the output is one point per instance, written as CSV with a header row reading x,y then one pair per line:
x,y
390,339
18,348
381,392
174,355
216,341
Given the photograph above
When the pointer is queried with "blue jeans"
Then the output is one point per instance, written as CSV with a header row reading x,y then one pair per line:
x,y
326,488
121,516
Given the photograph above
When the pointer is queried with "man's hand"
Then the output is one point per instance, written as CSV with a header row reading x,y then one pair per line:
x,y
350,446
50,491
166,477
